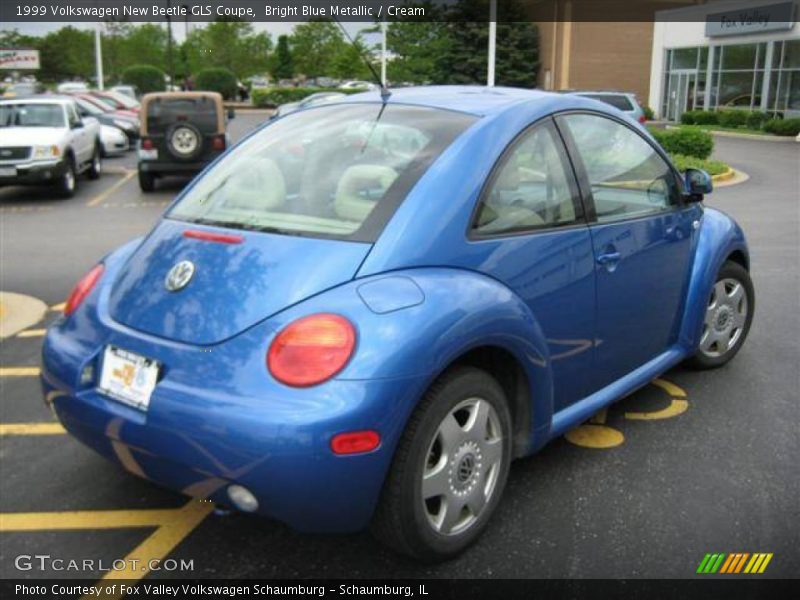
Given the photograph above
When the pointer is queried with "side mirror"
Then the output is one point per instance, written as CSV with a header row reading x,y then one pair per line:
x,y
231,114
697,183
77,124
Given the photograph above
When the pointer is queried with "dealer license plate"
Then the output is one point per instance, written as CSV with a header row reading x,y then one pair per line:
x,y
128,377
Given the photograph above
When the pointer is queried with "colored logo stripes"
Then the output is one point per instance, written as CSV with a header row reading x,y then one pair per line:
x,y
737,562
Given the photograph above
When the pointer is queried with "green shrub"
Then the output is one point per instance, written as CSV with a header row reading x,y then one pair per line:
x,y
732,118
648,113
706,117
787,127
145,77
690,117
217,79
688,141
756,119
712,167
275,96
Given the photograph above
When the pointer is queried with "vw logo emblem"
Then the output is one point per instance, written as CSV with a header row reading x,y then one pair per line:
x,y
179,276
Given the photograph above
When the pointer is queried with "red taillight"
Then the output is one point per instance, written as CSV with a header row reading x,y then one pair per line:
x,y
311,350
355,442
218,143
642,118
209,236
147,144
82,289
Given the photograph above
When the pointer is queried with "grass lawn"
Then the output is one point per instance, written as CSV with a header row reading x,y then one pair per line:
x,y
712,167
746,130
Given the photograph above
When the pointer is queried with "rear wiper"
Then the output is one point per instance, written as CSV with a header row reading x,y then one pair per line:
x,y
240,225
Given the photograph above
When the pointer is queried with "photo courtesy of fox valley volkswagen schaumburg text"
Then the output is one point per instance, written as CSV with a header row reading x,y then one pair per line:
x,y
404,298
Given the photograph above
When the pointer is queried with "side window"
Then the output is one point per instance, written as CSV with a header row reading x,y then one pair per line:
x,y
72,115
628,177
531,189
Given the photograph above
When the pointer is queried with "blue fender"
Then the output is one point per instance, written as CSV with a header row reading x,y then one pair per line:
x,y
416,322
718,238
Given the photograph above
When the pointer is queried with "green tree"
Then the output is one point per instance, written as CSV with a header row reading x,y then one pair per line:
x,y
66,53
463,56
315,45
229,44
414,47
348,61
282,65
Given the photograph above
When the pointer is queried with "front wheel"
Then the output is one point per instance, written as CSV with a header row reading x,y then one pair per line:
x,y
68,182
449,469
728,316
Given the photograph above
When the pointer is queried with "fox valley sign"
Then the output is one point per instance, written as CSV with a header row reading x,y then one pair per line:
x,y
751,19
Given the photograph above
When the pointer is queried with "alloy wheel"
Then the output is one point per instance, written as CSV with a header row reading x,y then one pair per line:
x,y
462,466
725,318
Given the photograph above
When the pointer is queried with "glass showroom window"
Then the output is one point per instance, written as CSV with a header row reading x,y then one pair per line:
x,y
784,84
737,76
684,81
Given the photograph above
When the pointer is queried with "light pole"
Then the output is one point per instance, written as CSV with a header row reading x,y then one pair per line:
x,y
169,47
492,41
98,57
383,53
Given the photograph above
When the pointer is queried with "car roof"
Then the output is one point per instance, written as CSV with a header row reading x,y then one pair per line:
x,y
40,98
473,99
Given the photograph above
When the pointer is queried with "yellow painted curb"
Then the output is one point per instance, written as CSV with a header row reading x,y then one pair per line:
x,y
19,312
729,174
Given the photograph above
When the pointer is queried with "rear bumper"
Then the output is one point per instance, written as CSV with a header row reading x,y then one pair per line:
x,y
34,173
173,168
273,440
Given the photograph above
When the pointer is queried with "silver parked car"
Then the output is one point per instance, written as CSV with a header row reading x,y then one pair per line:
x,y
624,101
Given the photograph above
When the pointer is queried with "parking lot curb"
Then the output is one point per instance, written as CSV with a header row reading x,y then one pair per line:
x,y
730,177
18,312
729,174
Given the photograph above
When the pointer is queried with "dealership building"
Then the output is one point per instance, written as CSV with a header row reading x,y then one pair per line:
x,y
723,55
711,55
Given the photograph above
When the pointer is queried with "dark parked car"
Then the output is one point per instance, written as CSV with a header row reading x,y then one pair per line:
x,y
181,132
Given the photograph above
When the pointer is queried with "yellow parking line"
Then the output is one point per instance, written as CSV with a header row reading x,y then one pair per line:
x,y
102,196
87,519
162,542
31,429
19,371
58,307
32,333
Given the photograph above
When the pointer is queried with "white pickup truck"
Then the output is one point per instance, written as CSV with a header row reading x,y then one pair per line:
x,y
44,141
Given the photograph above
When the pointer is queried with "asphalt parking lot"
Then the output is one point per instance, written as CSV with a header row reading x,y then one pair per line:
x,y
695,463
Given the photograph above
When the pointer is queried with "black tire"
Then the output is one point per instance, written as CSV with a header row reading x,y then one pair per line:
x,y
732,271
96,166
67,184
400,520
147,181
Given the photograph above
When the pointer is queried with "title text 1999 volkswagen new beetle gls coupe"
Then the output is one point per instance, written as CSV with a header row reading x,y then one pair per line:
x,y
364,311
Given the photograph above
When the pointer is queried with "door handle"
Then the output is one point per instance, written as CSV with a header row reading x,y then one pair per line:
x,y
609,258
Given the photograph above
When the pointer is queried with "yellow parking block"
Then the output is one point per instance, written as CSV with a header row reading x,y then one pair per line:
x,y
19,371
31,429
58,307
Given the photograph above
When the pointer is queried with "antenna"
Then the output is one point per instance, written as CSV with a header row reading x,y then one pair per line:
x,y
385,93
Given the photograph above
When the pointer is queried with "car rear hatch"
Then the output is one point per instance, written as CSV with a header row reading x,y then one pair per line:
x,y
239,278
199,113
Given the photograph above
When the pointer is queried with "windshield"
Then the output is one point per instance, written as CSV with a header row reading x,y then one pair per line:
x,y
122,99
32,115
90,108
335,171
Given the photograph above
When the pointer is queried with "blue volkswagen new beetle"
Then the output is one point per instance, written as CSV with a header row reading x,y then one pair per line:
x,y
362,313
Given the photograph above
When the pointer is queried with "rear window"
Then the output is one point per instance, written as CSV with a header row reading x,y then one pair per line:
x,y
162,113
334,171
619,101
